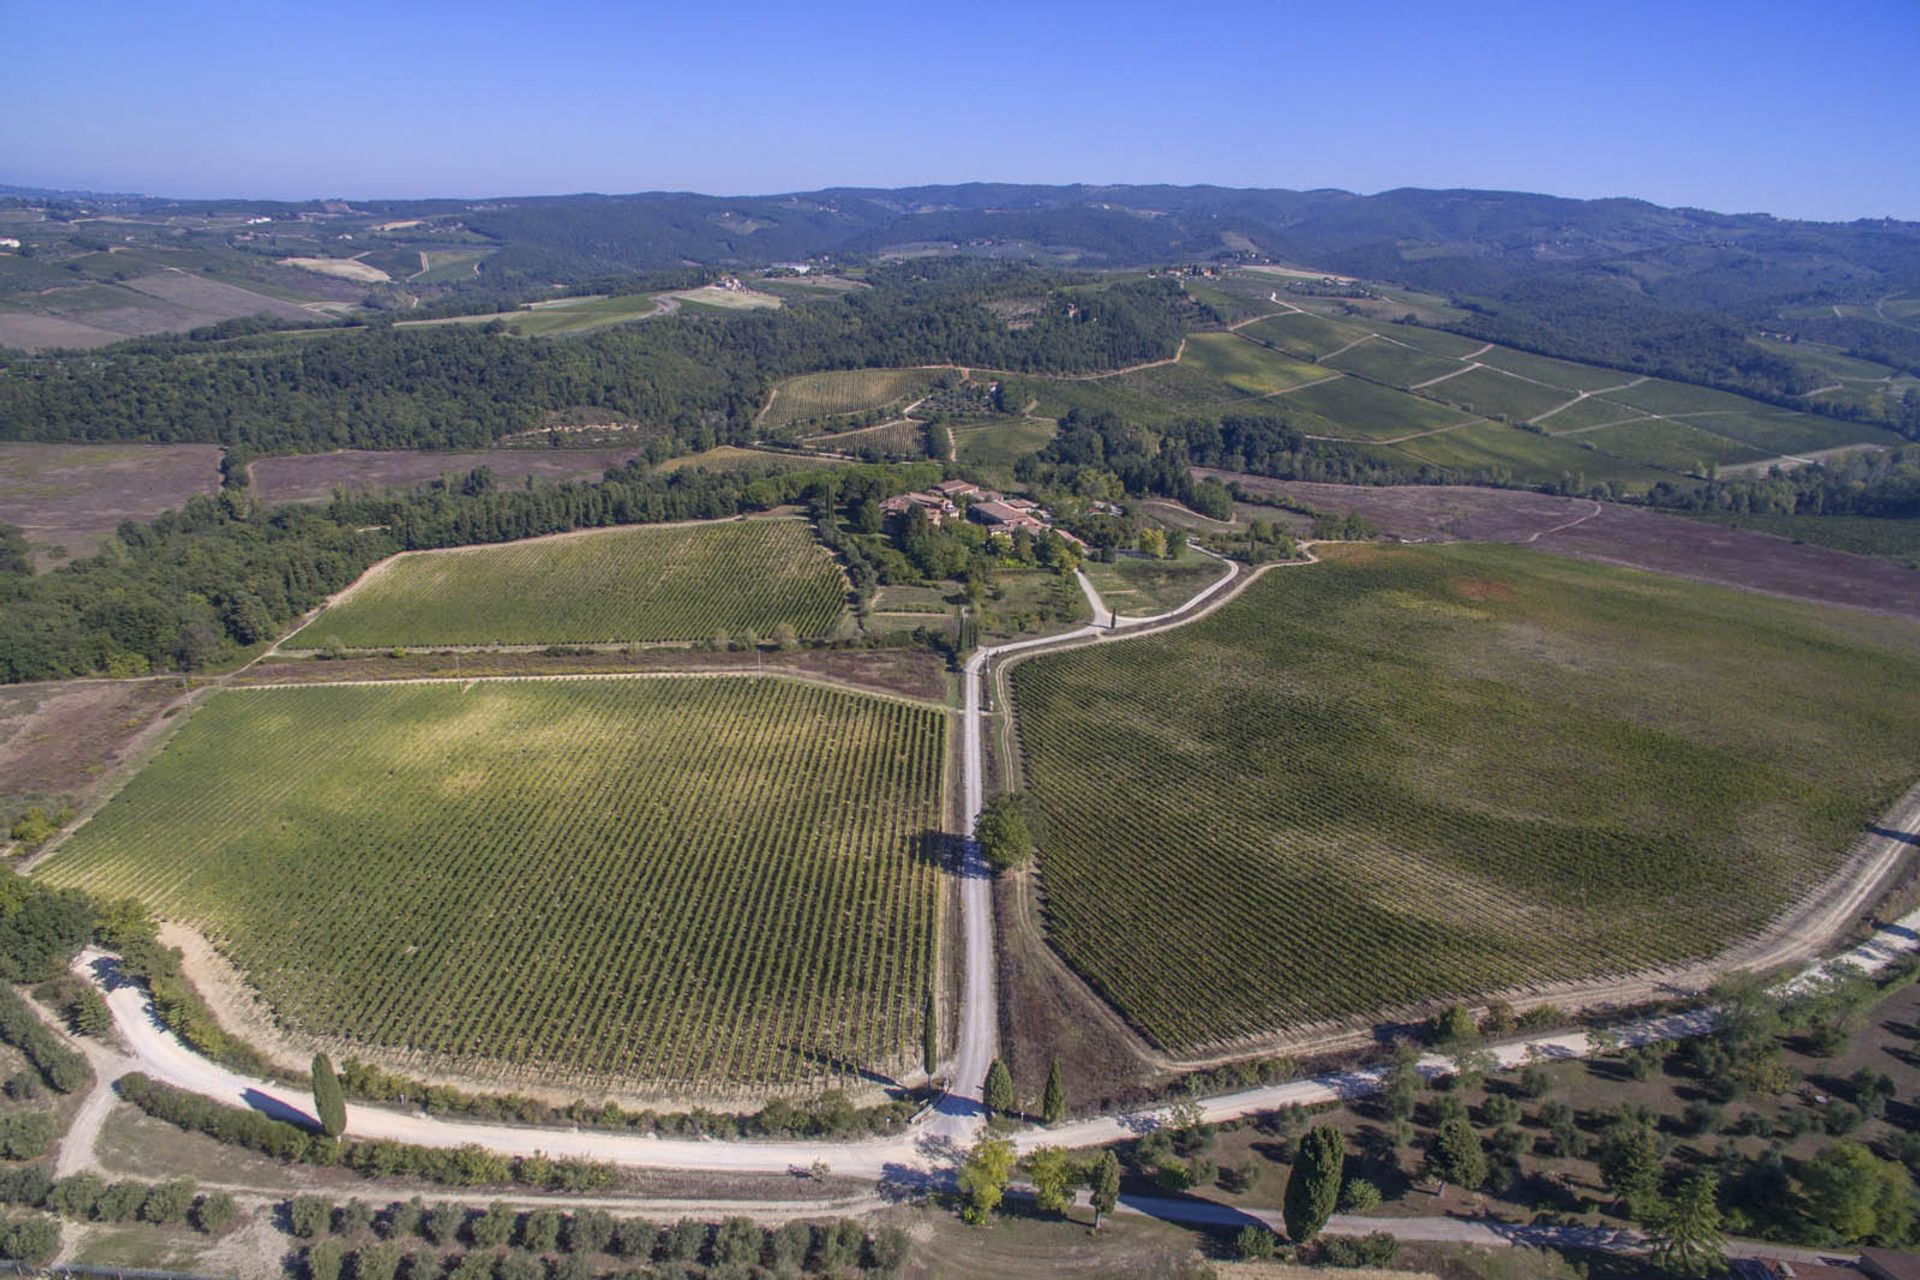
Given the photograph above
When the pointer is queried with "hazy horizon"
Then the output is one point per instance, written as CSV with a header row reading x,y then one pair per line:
x,y
1712,106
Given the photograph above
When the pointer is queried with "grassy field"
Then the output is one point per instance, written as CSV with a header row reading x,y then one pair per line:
x,y
1863,535
1303,334
636,584
1527,456
727,457
1494,394
826,395
1001,442
1364,411
1133,585
1413,773
1670,445
1247,367
580,315
693,882
1395,365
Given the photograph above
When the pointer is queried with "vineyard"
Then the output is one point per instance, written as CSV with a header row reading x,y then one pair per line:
x,y
840,391
696,883
635,584
1407,774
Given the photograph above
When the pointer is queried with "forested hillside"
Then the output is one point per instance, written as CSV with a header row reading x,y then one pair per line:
x,y
696,377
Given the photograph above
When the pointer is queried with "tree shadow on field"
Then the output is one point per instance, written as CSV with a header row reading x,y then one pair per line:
x,y
945,851
845,1067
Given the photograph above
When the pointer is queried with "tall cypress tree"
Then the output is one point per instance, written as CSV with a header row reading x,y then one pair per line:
x,y
1313,1191
1106,1185
999,1090
329,1102
1053,1104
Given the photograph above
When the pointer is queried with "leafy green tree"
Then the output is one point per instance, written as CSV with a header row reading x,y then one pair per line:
x,y
1053,1177
1106,1185
1254,1244
1686,1235
1858,1197
1456,1156
1454,1026
984,1175
998,1094
1053,1103
1006,842
1629,1160
329,1102
1313,1190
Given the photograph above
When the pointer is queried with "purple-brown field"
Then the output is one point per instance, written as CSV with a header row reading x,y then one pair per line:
x,y
1621,535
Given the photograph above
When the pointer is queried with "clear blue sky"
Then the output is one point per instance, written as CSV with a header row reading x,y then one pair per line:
x,y
1800,109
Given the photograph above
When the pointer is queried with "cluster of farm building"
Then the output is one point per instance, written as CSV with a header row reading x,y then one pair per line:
x,y
962,499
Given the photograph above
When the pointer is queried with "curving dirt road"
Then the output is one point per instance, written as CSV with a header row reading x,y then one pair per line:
x,y
930,1149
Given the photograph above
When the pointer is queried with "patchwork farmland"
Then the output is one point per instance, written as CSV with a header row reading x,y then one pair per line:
x,y
1456,770
700,883
636,584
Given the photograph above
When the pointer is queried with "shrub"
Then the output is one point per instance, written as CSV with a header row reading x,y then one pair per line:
x,y
308,1217
352,1218
1254,1244
588,1231
214,1212
33,1240
494,1227
77,1197
25,1135
377,1261
324,1259
168,1201
738,1241
1359,1196
540,1231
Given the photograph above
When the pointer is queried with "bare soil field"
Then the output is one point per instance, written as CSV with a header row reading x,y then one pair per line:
x,y
32,332
214,299
68,497
310,477
910,673
1621,535
343,268
64,739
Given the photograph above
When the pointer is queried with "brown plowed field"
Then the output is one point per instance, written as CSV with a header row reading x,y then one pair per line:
x,y
1622,535
311,477
67,498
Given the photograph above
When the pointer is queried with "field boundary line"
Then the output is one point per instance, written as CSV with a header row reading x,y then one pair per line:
x,y
531,677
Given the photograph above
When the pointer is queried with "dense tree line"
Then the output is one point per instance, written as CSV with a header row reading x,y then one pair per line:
x,y
697,379
1880,484
1090,444
223,573
1601,323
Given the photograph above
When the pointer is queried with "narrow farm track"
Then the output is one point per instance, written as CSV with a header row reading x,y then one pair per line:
x,y
928,1152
